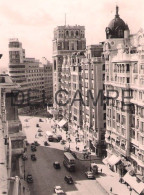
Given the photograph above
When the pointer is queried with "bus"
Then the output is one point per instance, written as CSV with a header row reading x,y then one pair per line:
x,y
69,161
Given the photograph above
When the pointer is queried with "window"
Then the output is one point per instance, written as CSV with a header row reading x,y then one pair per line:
x,y
128,80
77,33
127,67
67,33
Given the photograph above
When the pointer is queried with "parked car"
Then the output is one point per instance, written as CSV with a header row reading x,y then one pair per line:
x,y
90,175
33,157
33,148
36,143
46,143
56,165
58,190
50,138
24,157
29,178
68,179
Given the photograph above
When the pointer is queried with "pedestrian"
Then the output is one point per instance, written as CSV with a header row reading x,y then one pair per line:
x,y
101,170
111,189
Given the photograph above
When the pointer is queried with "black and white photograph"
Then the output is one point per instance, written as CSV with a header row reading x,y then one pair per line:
x,y
71,97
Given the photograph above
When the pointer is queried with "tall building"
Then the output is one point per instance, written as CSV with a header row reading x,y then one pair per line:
x,y
67,40
34,77
11,134
93,112
124,88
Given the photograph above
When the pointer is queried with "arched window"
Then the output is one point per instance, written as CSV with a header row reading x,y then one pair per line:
x,y
67,33
77,33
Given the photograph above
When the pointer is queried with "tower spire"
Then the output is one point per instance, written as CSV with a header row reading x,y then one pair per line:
x,y
117,10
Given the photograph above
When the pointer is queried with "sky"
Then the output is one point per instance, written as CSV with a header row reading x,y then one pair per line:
x,y
33,21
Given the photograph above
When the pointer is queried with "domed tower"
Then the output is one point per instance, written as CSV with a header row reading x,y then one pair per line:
x,y
117,28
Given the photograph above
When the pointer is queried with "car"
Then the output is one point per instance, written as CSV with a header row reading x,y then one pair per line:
x,y
33,148
68,179
50,138
58,190
24,157
40,130
90,175
59,137
33,157
56,165
36,143
63,141
29,178
46,143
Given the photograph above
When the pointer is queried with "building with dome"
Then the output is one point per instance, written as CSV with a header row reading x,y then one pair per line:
x,y
124,88
117,28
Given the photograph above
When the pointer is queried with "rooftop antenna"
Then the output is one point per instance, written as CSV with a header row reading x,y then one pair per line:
x,y
65,19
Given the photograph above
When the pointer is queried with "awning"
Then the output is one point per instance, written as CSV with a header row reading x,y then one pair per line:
x,y
132,181
62,123
105,160
113,160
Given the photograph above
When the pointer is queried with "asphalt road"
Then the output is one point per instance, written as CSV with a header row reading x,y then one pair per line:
x,y
46,177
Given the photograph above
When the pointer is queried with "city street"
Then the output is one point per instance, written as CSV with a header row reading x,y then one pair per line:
x,y
44,175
